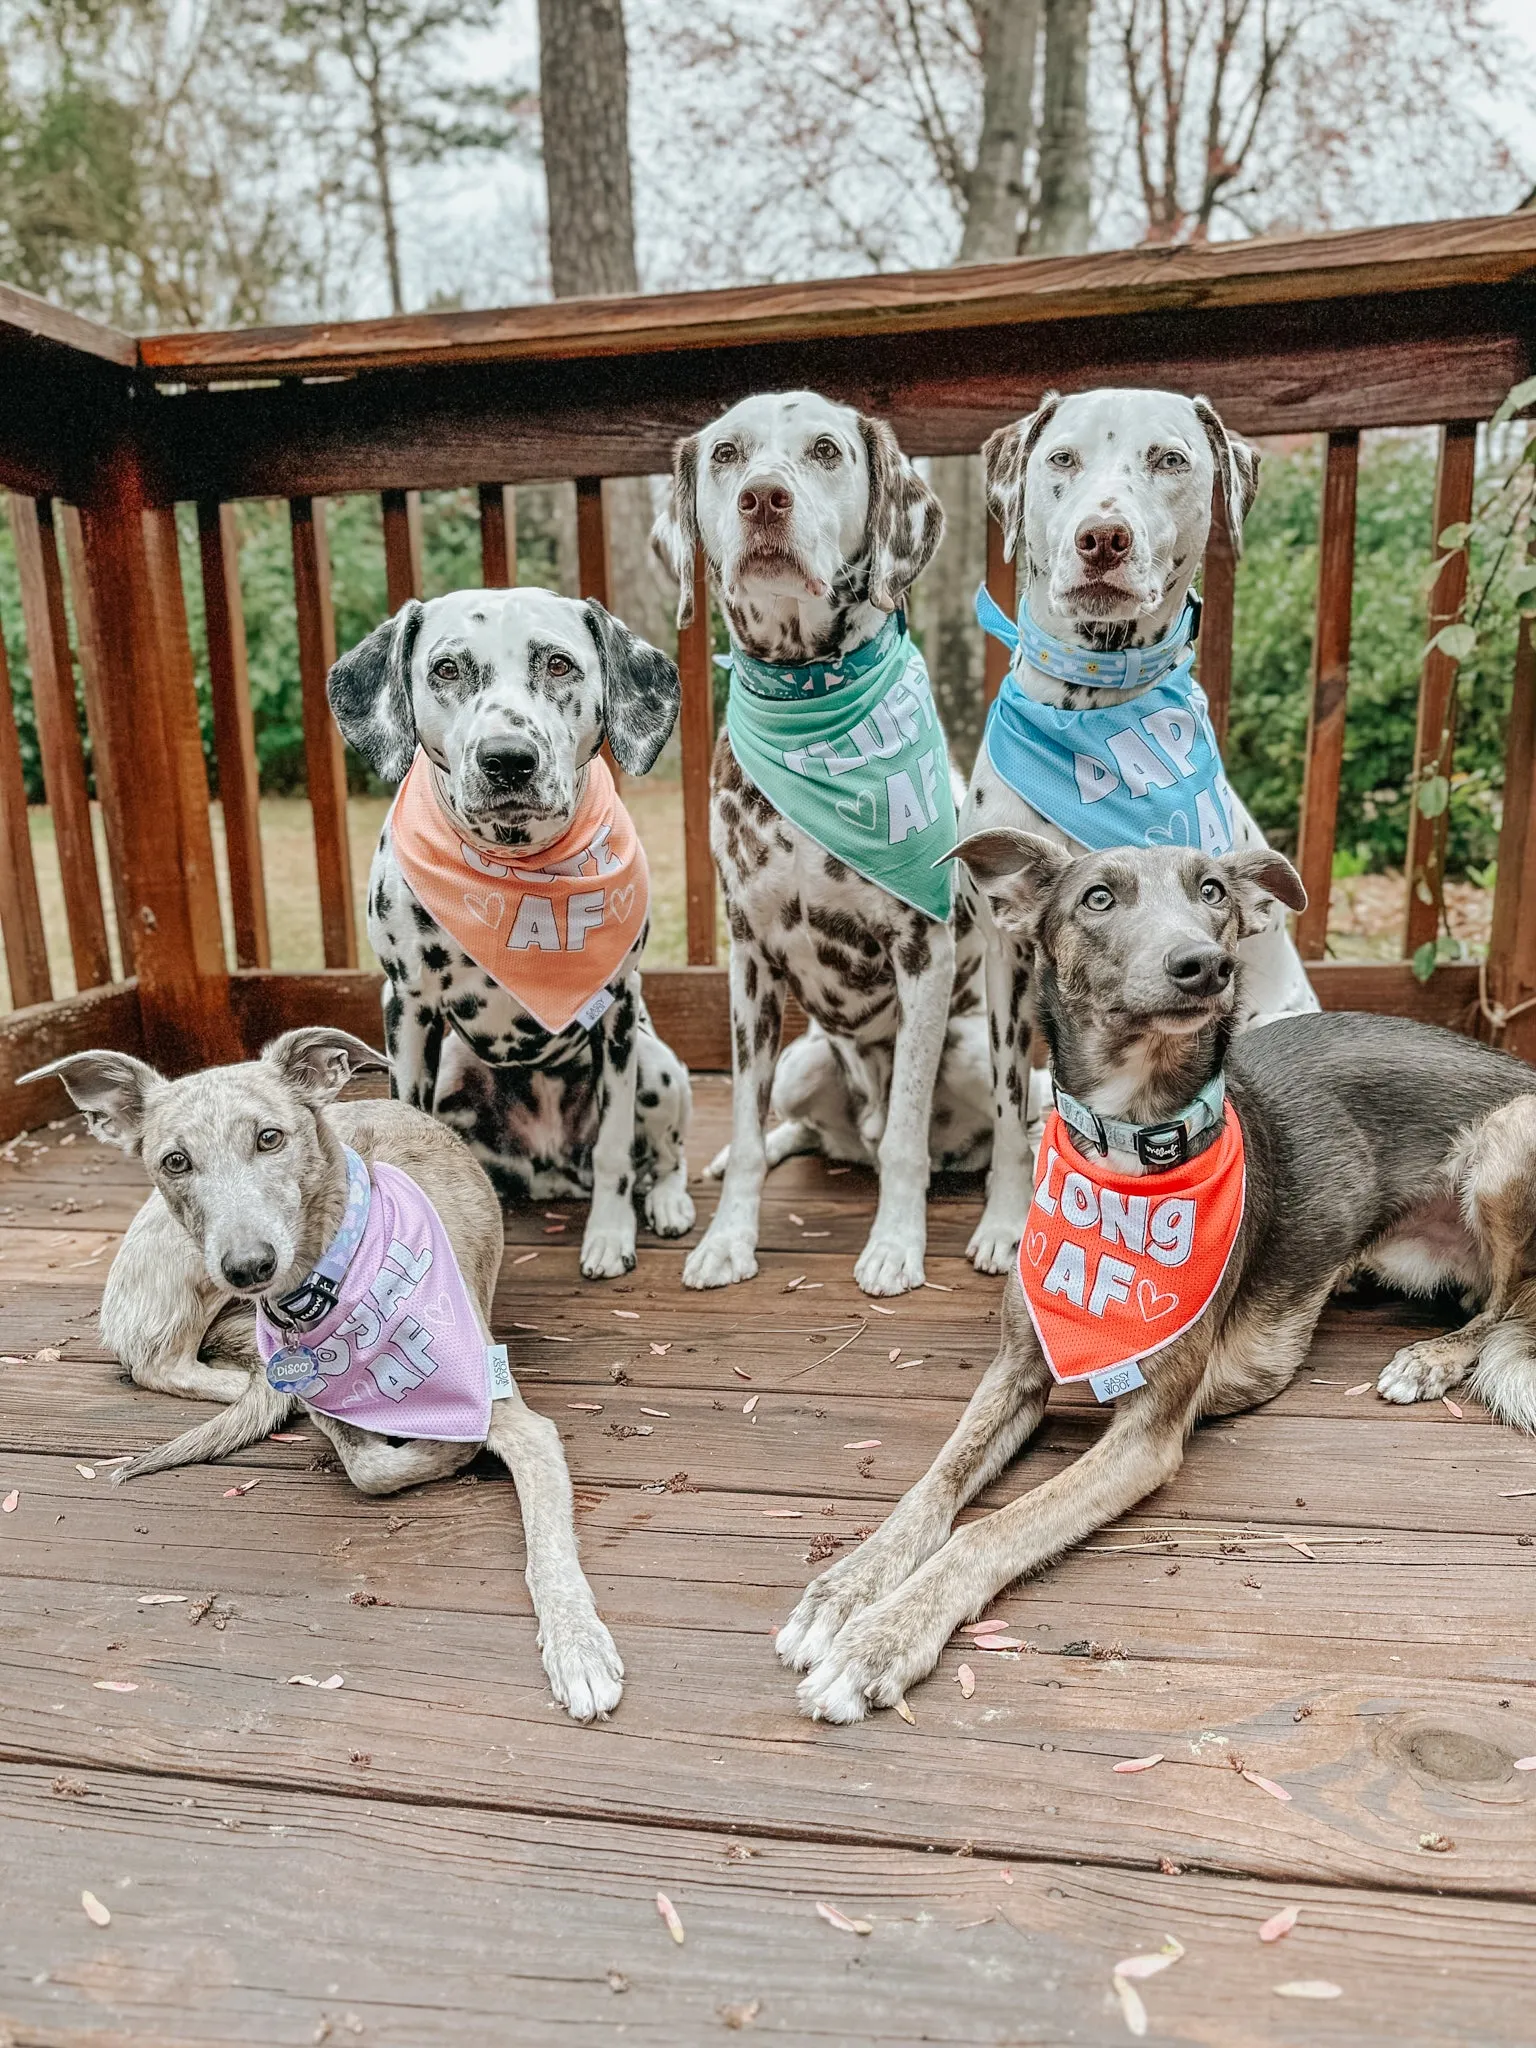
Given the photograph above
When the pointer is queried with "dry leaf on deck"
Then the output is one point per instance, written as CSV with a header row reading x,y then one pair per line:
x,y
834,1917
661,1350
1267,1785
994,1642
1305,1548
893,1354
785,1514
1363,1388
628,1315
1281,1924
1525,1763
668,1912
1452,1406
162,1599
905,1712
1136,1763
48,1355
750,1403
301,1678
95,1911
1130,2004
967,1678
330,1684
86,1471
1309,1987
740,1373
114,1685
865,1443
232,1492
587,1407
796,1219
664,1413
523,1258
984,1628
1151,1965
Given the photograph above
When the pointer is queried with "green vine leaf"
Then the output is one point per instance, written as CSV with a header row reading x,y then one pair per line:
x,y
1516,401
1424,960
1456,536
1522,578
1434,795
1455,641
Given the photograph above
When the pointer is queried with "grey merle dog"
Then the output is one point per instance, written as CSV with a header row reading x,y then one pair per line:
x,y
1371,1143
509,694
814,526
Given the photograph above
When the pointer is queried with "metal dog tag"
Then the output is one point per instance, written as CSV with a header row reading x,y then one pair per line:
x,y
1115,1380
293,1371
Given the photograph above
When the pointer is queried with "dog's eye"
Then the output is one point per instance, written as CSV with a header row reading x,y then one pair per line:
x,y
270,1139
1172,459
725,451
175,1162
446,670
559,665
1212,892
1099,898
825,449
1062,458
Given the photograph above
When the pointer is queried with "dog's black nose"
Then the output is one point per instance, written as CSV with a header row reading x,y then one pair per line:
x,y
765,501
1199,969
508,764
253,1266
1103,543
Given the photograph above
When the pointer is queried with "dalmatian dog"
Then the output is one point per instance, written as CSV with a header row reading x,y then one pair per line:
x,y
504,697
1106,498
814,526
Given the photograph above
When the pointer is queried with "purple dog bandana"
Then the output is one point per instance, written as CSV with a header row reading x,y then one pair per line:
x,y
383,1333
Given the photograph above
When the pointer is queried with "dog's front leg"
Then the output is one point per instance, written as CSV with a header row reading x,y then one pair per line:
x,y
728,1249
1002,1413
1010,1183
413,1039
886,1648
608,1243
584,1669
892,1260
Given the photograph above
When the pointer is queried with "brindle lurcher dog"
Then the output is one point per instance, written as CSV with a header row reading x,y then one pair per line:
x,y
1371,1143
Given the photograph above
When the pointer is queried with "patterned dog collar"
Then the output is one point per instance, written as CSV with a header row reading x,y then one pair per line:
x,y
317,1294
812,678
1130,668
1157,1146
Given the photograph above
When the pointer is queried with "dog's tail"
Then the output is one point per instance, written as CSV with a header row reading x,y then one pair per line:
x,y
1505,1376
259,1410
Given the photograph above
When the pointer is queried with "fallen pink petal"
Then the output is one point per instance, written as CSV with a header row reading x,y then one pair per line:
x,y
1280,1925
668,1912
1137,1763
835,1917
967,1678
1267,1785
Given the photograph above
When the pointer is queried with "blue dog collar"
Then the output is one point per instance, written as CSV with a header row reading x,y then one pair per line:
x,y
1130,669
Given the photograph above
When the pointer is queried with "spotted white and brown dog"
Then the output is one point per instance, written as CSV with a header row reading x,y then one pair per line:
x,y
1105,496
500,700
814,526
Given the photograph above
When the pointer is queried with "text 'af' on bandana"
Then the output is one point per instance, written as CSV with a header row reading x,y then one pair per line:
x,y
1144,773
396,1346
1116,1266
553,927
852,752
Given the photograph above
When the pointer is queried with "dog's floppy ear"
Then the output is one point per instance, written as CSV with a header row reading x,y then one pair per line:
x,y
110,1088
370,693
1018,871
317,1061
675,536
1259,879
1005,458
906,520
641,690
1237,469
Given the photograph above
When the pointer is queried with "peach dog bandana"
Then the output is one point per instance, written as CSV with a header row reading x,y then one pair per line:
x,y
1115,1266
553,926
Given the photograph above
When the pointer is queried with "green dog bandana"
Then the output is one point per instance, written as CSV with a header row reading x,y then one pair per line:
x,y
852,752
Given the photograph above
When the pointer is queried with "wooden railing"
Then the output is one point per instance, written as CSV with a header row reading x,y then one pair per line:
x,y
103,436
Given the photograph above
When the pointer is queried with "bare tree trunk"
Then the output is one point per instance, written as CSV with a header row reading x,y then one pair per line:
x,y
994,218
1062,221
584,99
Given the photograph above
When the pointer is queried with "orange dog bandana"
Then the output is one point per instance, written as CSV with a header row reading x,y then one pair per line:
x,y
553,927
1115,1266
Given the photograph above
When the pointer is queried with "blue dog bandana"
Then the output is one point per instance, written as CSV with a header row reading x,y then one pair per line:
x,y
1147,773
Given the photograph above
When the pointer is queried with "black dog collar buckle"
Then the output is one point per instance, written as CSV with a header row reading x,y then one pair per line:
x,y
309,1303
1161,1146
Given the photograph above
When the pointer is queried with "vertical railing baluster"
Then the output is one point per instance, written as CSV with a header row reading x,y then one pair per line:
x,y
592,564
21,913
58,735
234,734
96,724
1512,940
1330,686
498,536
402,547
696,723
325,758
1435,739
1003,589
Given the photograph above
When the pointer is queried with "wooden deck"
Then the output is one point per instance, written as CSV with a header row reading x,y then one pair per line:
x,y
433,1853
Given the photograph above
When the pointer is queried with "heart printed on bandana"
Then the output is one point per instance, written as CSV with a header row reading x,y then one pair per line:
x,y
862,811
1176,832
621,902
439,1312
1036,1244
1154,1306
488,909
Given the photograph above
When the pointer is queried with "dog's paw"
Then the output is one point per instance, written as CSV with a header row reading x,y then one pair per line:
x,y
716,1167
669,1206
1421,1372
890,1265
855,1582
721,1260
582,1663
994,1245
608,1250
876,1657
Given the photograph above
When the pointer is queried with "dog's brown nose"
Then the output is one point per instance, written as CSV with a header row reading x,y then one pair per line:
x,y
765,501
1103,543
